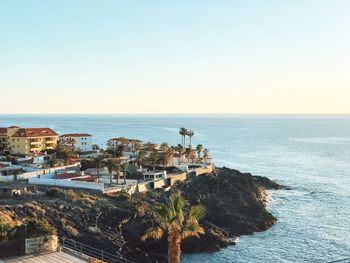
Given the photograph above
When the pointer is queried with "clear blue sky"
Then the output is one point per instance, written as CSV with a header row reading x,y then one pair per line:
x,y
190,56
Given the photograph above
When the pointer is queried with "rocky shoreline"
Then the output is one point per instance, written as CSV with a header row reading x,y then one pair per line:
x,y
235,205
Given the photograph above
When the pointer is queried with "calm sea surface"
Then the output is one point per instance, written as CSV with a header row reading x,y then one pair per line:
x,y
311,154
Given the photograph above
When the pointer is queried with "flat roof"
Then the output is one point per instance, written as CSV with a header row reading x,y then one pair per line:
x,y
54,257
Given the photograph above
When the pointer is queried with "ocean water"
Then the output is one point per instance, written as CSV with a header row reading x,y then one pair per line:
x,y
310,154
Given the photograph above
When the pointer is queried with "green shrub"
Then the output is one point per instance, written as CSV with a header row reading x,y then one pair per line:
x,y
54,192
38,227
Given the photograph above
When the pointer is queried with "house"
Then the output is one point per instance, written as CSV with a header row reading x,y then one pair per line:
x,y
78,141
25,141
128,147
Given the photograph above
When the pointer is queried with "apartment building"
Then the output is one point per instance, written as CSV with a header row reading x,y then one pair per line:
x,y
26,141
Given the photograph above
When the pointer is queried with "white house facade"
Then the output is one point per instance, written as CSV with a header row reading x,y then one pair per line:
x,y
78,141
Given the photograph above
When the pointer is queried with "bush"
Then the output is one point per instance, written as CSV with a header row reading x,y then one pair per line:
x,y
39,227
54,192
72,231
87,164
7,230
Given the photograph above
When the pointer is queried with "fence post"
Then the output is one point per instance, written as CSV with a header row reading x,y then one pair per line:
x,y
102,255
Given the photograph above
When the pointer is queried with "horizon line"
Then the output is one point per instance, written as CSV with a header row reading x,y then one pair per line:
x,y
164,114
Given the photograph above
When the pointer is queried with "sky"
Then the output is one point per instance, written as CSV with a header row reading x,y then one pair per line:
x,y
184,56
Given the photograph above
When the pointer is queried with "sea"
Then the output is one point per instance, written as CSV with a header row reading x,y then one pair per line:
x,y
308,153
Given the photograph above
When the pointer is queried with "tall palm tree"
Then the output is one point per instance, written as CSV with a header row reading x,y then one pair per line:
x,y
206,154
199,149
98,161
190,134
125,166
183,133
111,165
173,220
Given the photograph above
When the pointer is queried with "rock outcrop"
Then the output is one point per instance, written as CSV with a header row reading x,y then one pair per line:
x,y
234,202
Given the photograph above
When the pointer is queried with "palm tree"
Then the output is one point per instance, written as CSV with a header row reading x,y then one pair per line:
x,y
179,225
192,155
111,165
190,134
140,157
188,153
117,171
167,158
53,160
183,133
125,166
154,158
205,155
164,147
181,151
98,161
199,149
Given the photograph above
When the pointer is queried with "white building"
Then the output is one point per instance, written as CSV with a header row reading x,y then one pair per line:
x,y
78,141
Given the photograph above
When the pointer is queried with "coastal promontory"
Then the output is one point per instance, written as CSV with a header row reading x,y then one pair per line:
x,y
235,205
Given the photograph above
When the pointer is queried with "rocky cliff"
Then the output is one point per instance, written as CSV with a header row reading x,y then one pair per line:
x,y
234,202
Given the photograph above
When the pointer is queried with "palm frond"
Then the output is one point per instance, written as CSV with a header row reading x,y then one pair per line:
x,y
192,231
161,214
197,212
153,232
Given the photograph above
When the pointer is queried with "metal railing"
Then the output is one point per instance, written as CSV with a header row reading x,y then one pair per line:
x,y
90,252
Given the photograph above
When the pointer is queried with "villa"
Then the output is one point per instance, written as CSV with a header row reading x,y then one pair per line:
x,y
26,141
78,141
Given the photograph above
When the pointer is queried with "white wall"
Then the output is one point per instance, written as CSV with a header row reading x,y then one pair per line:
x,y
84,144
67,183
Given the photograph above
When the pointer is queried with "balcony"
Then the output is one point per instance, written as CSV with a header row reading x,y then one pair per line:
x,y
35,147
50,145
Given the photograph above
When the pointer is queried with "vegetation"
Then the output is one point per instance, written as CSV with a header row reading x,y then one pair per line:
x,y
179,225
183,132
63,152
6,230
190,134
153,158
125,166
111,165
38,227
98,162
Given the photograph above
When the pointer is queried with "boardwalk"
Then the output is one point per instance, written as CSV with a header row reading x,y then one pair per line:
x,y
54,257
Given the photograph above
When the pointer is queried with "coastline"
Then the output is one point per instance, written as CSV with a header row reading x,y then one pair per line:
x,y
235,204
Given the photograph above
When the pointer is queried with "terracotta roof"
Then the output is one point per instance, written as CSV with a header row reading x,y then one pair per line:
x,y
76,135
67,175
13,127
34,132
